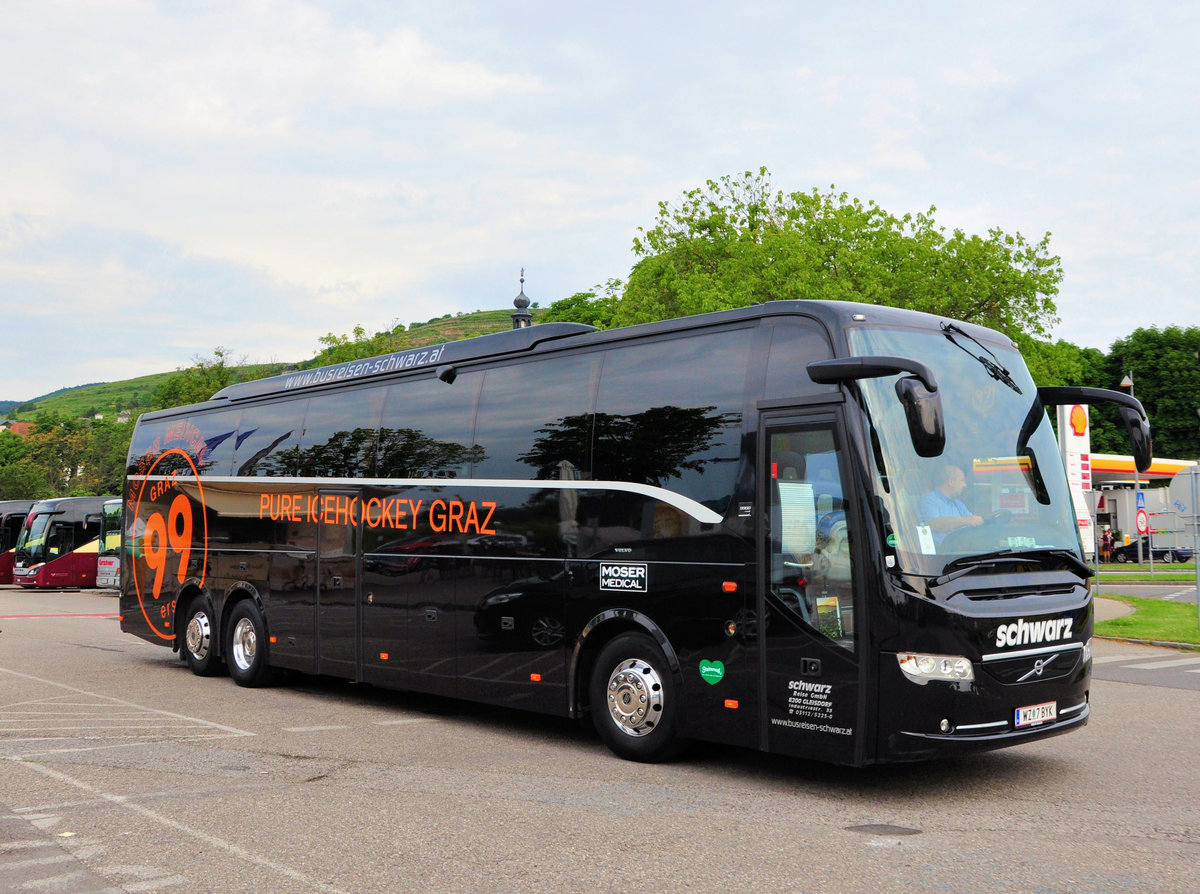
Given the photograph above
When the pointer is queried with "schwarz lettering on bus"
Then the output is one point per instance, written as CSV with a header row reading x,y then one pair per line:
x,y
436,520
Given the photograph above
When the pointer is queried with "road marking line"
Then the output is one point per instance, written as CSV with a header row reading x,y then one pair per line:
x,y
212,841
1155,665
171,881
62,615
310,729
233,731
405,720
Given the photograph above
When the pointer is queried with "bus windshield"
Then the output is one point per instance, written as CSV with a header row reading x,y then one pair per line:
x,y
999,486
31,545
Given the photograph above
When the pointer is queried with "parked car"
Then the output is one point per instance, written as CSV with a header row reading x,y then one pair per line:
x,y
1129,552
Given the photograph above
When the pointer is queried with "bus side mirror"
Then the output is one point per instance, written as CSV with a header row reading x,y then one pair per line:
x,y
1138,428
918,393
1133,415
923,410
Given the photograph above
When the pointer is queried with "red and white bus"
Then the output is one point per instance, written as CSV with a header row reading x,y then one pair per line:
x,y
12,519
59,543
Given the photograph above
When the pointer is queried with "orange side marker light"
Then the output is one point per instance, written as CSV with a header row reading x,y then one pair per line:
x,y
535,678
729,586
383,656
731,703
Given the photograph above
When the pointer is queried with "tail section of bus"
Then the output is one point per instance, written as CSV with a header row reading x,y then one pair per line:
x,y
12,520
59,543
108,562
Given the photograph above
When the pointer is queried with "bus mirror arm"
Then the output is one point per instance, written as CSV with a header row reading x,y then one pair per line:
x,y
918,393
846,369
1133,415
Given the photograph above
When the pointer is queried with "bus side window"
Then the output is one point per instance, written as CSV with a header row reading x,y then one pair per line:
x,y
60,542
267,439
534,416
425,428
340,436
669,414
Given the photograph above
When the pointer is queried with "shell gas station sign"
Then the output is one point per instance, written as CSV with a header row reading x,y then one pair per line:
x,y
1075,442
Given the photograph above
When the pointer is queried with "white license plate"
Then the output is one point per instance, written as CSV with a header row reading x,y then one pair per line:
x,y
1033,714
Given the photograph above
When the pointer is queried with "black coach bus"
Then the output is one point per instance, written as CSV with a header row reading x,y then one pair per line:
x,y
724,528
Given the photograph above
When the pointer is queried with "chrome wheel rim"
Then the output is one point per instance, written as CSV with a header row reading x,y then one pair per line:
x,y
198,635
635,697
245,644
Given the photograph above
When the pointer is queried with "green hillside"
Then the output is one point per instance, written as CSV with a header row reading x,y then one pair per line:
x,y
134,395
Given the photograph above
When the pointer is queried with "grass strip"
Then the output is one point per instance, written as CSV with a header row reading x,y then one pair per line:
x,y
1153,620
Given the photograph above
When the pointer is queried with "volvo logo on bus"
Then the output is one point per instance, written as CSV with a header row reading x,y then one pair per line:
x,y
1038,668
625,576
1025,633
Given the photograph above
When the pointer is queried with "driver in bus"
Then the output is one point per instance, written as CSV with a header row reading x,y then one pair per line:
x,y
943,510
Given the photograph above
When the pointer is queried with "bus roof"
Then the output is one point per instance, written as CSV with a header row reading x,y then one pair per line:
x,y
835,315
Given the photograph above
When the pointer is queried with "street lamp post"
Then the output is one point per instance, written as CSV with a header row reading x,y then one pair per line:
x,y
1127,382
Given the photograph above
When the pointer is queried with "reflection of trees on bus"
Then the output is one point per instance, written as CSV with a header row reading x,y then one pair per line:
x,y
401,453
407,453
650,447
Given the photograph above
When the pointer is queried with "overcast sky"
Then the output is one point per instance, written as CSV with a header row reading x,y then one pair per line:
x,y
176,176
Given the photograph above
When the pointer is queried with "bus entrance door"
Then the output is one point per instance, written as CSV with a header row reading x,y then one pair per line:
x,y
810,635
338,606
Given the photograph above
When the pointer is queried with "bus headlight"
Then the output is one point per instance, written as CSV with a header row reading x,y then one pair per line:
x,y
922,668
1087,651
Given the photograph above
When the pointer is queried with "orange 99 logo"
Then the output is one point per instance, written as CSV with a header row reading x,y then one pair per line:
x,y
166,543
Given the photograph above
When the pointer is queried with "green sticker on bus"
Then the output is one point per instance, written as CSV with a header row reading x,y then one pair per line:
x,y
891,540
712,672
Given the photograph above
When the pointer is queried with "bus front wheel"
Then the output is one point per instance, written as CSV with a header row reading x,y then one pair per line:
x,y
246,648
199,639
633,699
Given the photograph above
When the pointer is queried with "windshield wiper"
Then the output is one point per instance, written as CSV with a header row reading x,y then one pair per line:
x,y
967,564
993,365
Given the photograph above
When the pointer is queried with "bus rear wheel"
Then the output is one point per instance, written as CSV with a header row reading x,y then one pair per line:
x,y
246,645
633,699
200,639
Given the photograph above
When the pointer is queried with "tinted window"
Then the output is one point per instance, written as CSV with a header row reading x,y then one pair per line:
x,y
267,439
218,431
795,344
340,430
425,431
144,447
534,416
205,439
669,414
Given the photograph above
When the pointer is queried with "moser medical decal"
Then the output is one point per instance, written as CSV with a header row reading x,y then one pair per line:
x,y
626,576
1024,633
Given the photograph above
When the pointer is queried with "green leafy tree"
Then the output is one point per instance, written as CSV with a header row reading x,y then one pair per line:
x,y
1165,367
104,460
596,308
736,242
12,448
22,481
193,384
57,449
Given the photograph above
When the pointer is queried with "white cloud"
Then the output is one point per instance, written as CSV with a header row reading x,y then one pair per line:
x,y
255,174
